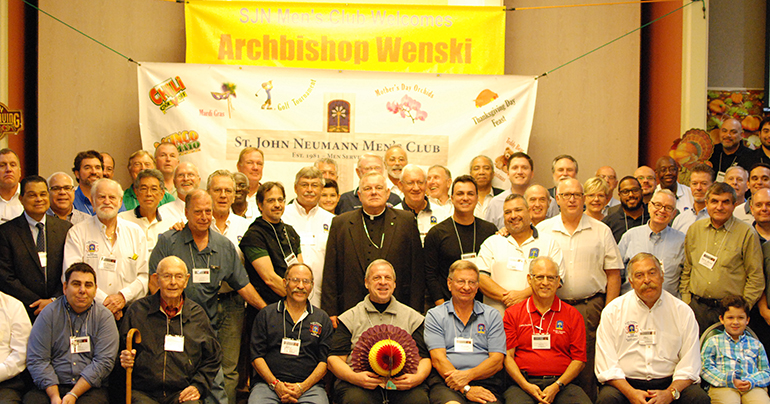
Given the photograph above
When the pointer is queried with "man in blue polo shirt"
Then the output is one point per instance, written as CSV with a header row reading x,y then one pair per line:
x,y
466,340
291,360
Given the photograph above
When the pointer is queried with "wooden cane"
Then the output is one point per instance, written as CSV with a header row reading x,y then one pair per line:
x,y
129,370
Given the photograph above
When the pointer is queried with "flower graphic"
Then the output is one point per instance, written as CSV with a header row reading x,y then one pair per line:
x,y
407,107
228,89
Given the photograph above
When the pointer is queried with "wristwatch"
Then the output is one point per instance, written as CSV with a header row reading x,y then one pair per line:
x,y
675,393
273,384
560,384
466,389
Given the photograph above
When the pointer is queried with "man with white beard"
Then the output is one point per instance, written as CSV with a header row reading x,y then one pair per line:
x,y
114,247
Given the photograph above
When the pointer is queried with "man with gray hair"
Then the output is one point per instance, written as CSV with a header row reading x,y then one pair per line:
x,y
648,327
722,256
438,183
114,247
328,167
395,161
367,163
738,178
378,307
311,223
139,161
659,239
186,179
759,178
149,188
62,196
412,185
543,363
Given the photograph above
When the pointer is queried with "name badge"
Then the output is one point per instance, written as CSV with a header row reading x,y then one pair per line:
x,y
80,344
515,264
463,344
290,346
43,259
541,341
647,337
174,343
108,264
721,176
201,275
471,256
707,260
291,260
307,239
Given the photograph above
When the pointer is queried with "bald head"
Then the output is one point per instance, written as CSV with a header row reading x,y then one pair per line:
x,y
731,135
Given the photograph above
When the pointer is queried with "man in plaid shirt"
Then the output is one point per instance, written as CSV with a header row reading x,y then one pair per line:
x,y
734,362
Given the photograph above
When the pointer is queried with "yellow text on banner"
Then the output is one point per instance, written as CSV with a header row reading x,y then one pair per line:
x,y
396,38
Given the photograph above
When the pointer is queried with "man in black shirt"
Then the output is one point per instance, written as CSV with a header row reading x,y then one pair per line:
x,y
731,151
632,211
458,237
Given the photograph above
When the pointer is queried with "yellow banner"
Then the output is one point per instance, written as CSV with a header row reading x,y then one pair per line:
x,y
394,38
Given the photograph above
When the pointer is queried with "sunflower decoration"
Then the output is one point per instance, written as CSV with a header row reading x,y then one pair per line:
x,y
228,90
386,350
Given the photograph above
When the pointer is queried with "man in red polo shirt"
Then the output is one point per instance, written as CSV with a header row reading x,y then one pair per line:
x,y
546,340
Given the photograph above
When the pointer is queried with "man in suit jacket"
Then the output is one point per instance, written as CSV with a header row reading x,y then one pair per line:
x,y
30,262
358,237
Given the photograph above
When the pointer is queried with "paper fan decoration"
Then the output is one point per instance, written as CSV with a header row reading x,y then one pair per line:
x,y
386,350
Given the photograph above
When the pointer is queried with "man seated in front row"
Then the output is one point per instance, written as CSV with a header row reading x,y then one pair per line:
x,y
13,348
73,345
179,355
378,307
647,343
545,353
291,360
466,341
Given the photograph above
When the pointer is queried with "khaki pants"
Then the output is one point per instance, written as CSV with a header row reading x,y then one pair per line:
x,y
727,395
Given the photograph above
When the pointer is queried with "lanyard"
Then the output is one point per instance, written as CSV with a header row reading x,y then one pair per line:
x,y
283,254
720,160
181,327
301,319
532,323
382,239
85,322
473,247
722,243
625,217
192,256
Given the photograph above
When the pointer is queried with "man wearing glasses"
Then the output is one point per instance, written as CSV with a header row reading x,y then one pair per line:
x,y
658,239
545,339
290,344
592,266
646,177
212,258
667,171
139,161
632,210
62,197
149,188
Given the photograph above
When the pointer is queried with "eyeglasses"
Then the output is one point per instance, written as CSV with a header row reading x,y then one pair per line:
x,y
659,206
178,277
541,278
463,282
303,281
576,195
65,188
625,192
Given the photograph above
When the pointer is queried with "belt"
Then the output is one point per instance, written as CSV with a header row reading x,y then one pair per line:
x,y
714,303
227,295
582,301
530,377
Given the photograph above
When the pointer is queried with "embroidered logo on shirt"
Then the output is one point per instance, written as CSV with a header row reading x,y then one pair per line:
x,y
326,227
481,329
559,325
433,220
315,329
632,330
92,246
534,253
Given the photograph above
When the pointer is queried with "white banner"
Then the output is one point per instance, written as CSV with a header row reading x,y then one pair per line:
x,y
296,116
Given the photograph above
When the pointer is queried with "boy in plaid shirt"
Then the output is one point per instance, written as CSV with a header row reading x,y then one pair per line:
x,y
734,362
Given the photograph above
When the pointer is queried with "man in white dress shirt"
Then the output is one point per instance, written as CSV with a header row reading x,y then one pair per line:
x,y
186,179
10,175
114,247
13,348
647,344
149,188
311,223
